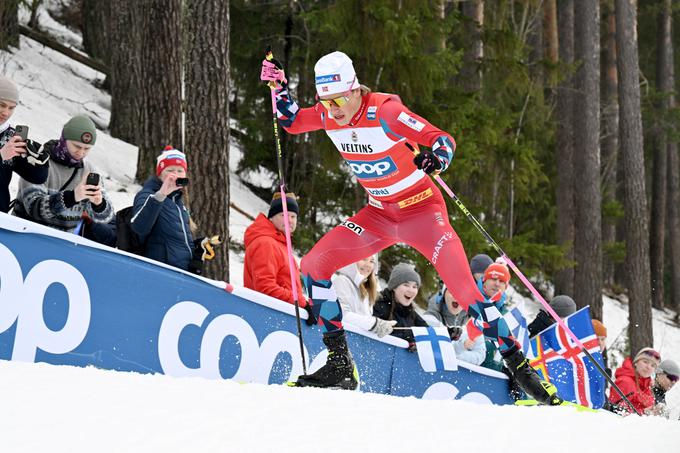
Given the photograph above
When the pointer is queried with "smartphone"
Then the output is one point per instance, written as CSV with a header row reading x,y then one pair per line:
x,y
181,182
92,179
21,131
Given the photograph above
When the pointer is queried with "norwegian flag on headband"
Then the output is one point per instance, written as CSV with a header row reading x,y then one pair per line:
x,y
563,363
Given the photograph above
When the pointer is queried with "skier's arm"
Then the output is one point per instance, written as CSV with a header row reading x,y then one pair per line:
x,y
398,122
294,119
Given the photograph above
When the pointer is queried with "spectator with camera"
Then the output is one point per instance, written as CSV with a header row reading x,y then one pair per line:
x,y
667,375
17,153
159,217
73,190
265,266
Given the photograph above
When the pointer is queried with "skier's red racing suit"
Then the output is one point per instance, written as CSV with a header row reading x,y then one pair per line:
x,y
404,205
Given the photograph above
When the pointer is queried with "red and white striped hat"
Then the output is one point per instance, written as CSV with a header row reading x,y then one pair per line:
x,y
169,157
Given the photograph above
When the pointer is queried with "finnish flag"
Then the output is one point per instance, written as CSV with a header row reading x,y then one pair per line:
x,y
518,326
435,350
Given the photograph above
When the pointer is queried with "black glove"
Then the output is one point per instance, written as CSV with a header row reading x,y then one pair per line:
x,y
36,154
412,346
311,319
454,332
427,161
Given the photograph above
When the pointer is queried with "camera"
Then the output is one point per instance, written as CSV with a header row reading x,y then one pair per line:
x,y
181,182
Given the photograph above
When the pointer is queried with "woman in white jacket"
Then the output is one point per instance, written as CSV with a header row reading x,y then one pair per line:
x,y
357,288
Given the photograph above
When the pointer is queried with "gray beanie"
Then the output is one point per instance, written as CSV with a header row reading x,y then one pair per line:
x,y
563,305
669,367
80,129
402,273
8,90
479,263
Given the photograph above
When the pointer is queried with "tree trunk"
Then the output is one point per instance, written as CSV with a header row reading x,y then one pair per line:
x,y
610,142
127,81
207,121
657,242
9,24
632,155
96,27
564,147
470,73
550,35
162,57
588,199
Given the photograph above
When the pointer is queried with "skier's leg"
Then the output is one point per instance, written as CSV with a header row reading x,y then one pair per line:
x,y
356,238
442,246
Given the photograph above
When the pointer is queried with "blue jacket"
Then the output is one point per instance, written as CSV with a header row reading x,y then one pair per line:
x,y
163,227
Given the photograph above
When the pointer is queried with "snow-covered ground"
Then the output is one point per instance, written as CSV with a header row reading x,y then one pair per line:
x,y
48,408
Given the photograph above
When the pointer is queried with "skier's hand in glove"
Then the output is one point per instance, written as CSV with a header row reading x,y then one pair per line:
x,y
428,162
311,319
454,332
36,154
382,327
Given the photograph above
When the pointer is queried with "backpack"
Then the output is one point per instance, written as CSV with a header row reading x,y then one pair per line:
x,y
126,238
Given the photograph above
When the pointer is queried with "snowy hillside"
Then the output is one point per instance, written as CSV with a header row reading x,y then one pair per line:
x,y
48,408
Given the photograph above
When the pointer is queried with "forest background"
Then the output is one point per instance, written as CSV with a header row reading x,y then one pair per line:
x,y
564,114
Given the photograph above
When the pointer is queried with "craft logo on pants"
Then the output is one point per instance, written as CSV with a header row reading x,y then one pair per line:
x,y
440,243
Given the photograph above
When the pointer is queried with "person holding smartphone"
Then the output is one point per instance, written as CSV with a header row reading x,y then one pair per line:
x,y
16,152
159,217
73,190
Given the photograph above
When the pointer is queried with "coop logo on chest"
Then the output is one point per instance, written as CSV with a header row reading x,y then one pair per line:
x,y
373,168
356,229
371,111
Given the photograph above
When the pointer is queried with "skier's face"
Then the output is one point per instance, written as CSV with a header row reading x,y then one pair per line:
x,y
351,102
278,221
366,266
405,293
6,109
644,367
493,285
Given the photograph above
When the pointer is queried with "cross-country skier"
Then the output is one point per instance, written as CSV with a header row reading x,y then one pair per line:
x,y
374,133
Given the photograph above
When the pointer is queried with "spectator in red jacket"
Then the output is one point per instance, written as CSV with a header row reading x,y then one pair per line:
x,y
265,267
635,381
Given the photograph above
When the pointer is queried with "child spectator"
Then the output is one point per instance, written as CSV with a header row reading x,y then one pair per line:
x,y
601,332
634,380
563,306
18,156
395,303
444,308
478,265
357,288
667,375
65,198
159,217
265,267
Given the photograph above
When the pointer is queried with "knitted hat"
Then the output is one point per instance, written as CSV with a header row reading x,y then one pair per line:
x,y
497,270
8,90
276,206
402,273
669,367
335,74
479,263
563,305
600,329
80,129
648,353
169,157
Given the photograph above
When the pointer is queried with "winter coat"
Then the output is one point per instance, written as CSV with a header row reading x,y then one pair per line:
x,y
53,203
36,174
436,307
356,310
637,389
405,316
162,225
543,321
265,266
476,355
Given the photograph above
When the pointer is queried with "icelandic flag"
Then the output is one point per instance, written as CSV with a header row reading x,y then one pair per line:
x,y
560,361
517,324
435,350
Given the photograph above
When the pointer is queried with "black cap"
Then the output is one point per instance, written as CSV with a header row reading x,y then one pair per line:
x,y
276,206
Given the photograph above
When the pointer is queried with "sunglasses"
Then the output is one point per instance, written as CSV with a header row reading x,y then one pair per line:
x,y
672,377
652,353
340,101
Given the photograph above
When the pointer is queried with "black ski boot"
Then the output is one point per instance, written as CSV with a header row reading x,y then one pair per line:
x,y
339,371
527,378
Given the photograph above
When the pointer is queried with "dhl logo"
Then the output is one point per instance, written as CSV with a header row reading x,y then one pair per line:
x,y
415,198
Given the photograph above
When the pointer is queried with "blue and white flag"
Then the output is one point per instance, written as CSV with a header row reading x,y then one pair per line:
x,y
435,350
518,326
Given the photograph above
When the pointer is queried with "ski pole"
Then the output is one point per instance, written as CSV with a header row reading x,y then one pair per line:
x,y
270,74
526,282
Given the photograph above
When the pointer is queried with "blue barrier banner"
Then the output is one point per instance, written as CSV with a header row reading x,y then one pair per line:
x,y
65,300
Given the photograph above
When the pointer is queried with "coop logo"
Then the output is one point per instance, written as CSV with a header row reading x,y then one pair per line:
x,y
440,244
373,169
357,229
327,79
22,304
